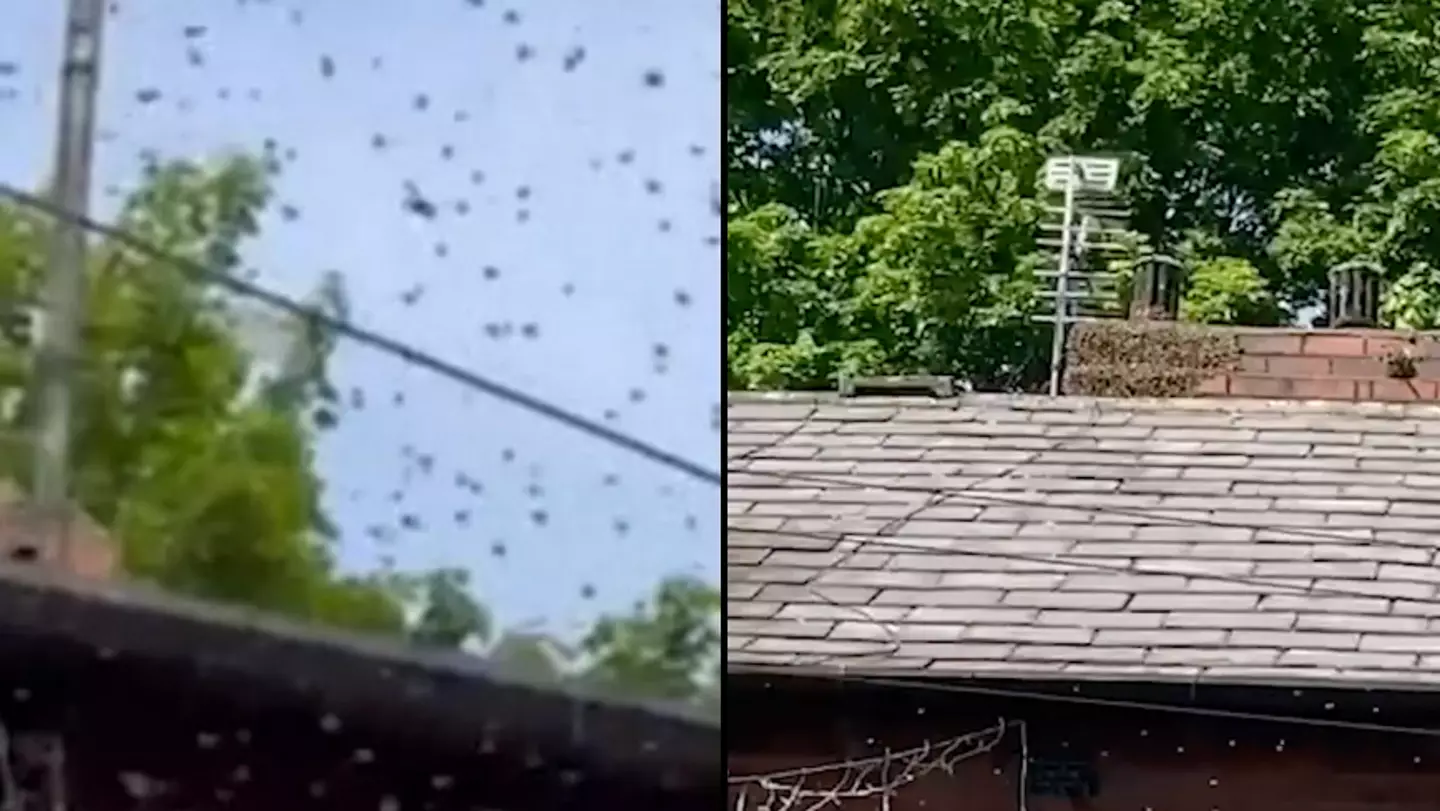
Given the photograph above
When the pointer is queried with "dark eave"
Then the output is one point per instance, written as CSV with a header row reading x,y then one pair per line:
x,y
444,702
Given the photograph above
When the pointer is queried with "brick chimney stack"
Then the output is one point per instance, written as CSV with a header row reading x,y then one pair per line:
x,y
90,553
1331,364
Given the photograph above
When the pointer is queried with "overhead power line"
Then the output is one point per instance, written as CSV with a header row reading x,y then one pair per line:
x,y
373,339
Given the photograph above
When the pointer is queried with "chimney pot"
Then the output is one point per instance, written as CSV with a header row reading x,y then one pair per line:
x,y
1355,294
1157,288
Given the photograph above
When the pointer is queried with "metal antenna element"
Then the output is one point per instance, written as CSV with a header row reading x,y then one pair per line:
x,y
63,295
1073,175
1062,283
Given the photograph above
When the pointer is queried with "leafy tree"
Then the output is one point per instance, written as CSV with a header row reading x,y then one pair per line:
x,y
1228,291
449,615
666,647
1286,137
1414,300
202,469
662,647
938,279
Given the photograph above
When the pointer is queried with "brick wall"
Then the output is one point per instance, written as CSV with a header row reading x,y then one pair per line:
x,y
1177,777
1143,760
1329,365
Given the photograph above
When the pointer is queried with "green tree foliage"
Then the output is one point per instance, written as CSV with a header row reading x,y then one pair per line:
x,y
1413,302
882,153
201,467
666,648
938,278
448,615
1228,291
662,647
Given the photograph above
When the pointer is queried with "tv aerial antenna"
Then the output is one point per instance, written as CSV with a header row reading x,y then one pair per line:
x,y
1089,228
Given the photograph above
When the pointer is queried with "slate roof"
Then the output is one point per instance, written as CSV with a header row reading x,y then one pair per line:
x,y
1211,540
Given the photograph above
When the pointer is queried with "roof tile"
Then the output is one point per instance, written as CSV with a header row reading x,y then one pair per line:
x,y
1164,638
1361,623
1054,635
1215,656
963,616
957,650
1323,604
820,647
829,611
881,578
1317,568
939,597
1098,619
747,609
1097,601
1400,643
860,629
797,629
1181,601
1352,506
1133,583
1341,660
1230,620
1001,580
1413,608
1078,653
1317,640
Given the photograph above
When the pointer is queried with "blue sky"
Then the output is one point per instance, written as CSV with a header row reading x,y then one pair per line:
x,y
613,163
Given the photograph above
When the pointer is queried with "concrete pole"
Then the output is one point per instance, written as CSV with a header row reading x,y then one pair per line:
x,y
63,297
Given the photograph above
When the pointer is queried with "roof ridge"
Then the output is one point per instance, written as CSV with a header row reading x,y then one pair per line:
x,y
1042,402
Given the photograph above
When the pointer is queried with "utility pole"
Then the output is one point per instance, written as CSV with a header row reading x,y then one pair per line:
x,y
63,296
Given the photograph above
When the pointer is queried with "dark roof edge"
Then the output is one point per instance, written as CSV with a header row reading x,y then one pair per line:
x,y
1193,677
455,699
1042,402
